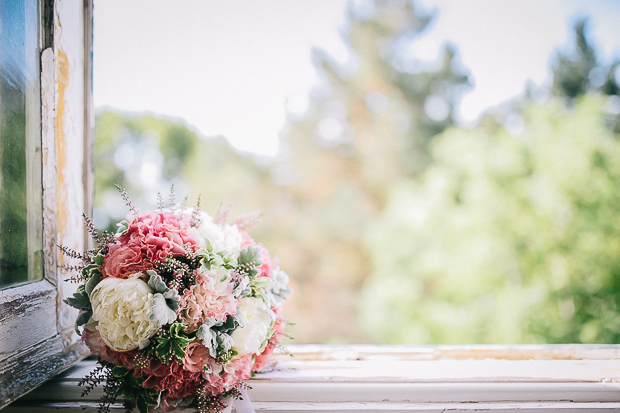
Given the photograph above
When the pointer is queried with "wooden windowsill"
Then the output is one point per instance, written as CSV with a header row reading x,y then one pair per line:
x,y
554,378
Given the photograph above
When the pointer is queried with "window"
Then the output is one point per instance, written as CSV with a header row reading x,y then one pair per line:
x,y
20,159
44,179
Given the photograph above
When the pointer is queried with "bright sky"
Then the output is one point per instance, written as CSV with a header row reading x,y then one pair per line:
x,y
231,67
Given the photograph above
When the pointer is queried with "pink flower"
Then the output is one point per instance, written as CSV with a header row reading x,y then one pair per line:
x,y
95,343
207,298
238,369
155,372
124,260
197,357
160,235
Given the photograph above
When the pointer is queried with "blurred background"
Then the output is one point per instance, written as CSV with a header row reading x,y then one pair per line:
x,y
428,171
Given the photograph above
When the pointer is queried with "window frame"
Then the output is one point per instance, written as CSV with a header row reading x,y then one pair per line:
x,y
37,337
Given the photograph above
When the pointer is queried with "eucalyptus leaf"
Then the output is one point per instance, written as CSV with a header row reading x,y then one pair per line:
x,y
251,254
260,282
82,319
208,338
79,300
172,299
156,283
91,283
225,342
160,312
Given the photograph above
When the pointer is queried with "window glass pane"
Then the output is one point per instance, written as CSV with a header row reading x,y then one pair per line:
x,y
20,149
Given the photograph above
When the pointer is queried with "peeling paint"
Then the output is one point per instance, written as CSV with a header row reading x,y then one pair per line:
x,y
62,81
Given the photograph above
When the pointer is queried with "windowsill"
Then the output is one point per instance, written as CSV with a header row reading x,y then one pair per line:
x,y
558,378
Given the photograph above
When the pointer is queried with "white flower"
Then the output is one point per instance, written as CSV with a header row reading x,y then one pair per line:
x,y
121,308
256,319
224,238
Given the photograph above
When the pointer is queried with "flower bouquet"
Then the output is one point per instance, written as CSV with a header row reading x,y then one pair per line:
x,y
180,307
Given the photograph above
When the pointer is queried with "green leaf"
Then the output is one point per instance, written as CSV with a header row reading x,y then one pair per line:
x,y
79,300
156,283
81,320
92,282
119,371
176,329
160,312
98,259
163,348
251,254
178,349
90,271
260,282
142,405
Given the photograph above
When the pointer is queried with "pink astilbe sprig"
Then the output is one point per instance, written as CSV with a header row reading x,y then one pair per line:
x,y
172,197
247,221
160,201
126,198
195,218
221,214
71,253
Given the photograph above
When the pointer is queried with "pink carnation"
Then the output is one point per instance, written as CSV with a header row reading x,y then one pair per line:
x,y
172,378
203,300
124,260
237,370
160,235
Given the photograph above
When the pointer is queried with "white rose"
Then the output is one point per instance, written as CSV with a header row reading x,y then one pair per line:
x,y
121,308
256,318
224,238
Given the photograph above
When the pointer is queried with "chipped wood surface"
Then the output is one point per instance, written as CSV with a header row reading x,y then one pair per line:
x,y
37,340
565,378
25,318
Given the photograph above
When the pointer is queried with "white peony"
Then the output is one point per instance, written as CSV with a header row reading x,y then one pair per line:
x,y
256,319
122,307
223,238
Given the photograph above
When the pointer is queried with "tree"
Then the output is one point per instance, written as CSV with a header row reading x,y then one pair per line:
x,y
366,127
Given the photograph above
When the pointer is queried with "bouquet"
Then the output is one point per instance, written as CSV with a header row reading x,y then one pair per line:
x,y
179,307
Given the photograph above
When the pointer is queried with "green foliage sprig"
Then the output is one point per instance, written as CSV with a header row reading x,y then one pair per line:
x,y
171,343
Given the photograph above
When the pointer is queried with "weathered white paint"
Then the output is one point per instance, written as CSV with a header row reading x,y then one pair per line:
x,y
37,339
26,318
48,146
69,137
570,378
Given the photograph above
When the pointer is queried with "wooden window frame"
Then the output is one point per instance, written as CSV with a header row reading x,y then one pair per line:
x,y
37,337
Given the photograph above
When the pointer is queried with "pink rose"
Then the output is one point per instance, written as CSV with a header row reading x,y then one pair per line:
x,y
197,357
124,260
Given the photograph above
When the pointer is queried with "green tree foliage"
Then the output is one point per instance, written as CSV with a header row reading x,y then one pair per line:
x,y
505,239
509,238
578,72
143,153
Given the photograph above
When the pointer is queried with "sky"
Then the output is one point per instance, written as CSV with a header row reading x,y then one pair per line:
x,y
234,68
